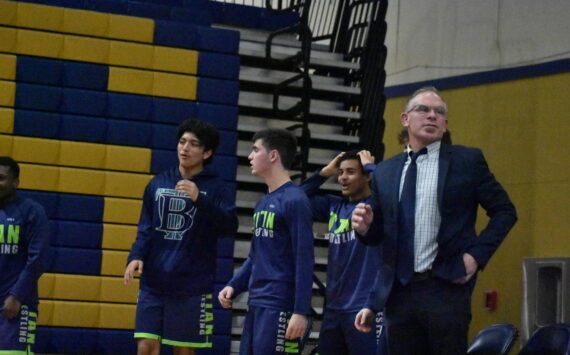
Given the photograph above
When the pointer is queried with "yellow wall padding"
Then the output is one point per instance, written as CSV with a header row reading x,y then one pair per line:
x,y
92,288
9,11
131,80
117,236
7,92
125,184
7,66
131,54
42,17
6,120
80,154
113,262
88,23
128,158
97,50
85,49
8,39
131,28
42,44
39,177
75,154
86,314
6,144
83,181
175,60
119,210
144,82
36,150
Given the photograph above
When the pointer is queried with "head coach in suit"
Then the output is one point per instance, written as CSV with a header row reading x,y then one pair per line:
x,y
423,212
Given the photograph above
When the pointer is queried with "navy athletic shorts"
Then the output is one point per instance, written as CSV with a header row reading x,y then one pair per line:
x,y
18,335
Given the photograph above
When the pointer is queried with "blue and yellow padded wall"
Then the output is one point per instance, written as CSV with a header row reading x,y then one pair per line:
x,y
89,105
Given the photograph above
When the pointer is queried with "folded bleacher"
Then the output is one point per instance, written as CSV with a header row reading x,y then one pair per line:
x,y
91,93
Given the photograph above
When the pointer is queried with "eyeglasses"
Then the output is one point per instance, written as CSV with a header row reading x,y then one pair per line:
x,y
424,110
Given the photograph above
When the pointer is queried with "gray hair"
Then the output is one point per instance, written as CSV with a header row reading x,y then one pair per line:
x,y
421,91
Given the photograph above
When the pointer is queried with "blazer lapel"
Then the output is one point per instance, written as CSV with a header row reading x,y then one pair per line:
x,y
394,180
444,159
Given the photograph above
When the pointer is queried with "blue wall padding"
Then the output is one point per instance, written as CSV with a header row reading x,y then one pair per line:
x,y
218,65
38,97
75,261
162,160
228,142
225,247
163,136
182,35
84,102
39,70
218,91
224,269
36,124
143,9
218,40
85,75
110,6
130,133
60,340
221,116
225,166
195,15
80,207
129,106
77,234
172,110
82,128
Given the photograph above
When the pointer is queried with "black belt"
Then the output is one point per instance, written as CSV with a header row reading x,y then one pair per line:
x,y
421,276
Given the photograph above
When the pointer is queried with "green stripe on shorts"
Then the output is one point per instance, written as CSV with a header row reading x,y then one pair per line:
x,y
186,344
147,336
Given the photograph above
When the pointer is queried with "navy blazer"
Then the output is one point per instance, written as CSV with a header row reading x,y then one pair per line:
x,y
464,183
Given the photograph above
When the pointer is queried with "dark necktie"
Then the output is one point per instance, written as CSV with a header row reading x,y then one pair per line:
x,y
407,222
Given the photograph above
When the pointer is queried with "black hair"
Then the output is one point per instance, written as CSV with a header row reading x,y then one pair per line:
x,y
281,140
12,164
205,132
351,155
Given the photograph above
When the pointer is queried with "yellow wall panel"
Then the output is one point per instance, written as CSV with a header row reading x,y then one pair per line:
x,y
69,314
176,60
120,210
131,28
128,158
117,316
131,54
175,85
78,287
114,262
86,155
113,289
84,22
46,286
9,11
6,144
118,236
7,93
36,150
43,44
40,16
6,118
39,177
8,39
7,66
125,184
130,80
86,49
81,181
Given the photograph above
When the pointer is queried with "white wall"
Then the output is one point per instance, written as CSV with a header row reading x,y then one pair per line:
x,y
429,39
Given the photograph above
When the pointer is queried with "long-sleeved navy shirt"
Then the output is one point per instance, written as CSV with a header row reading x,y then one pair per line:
x,y
177,237
24,245
352,266
279,269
